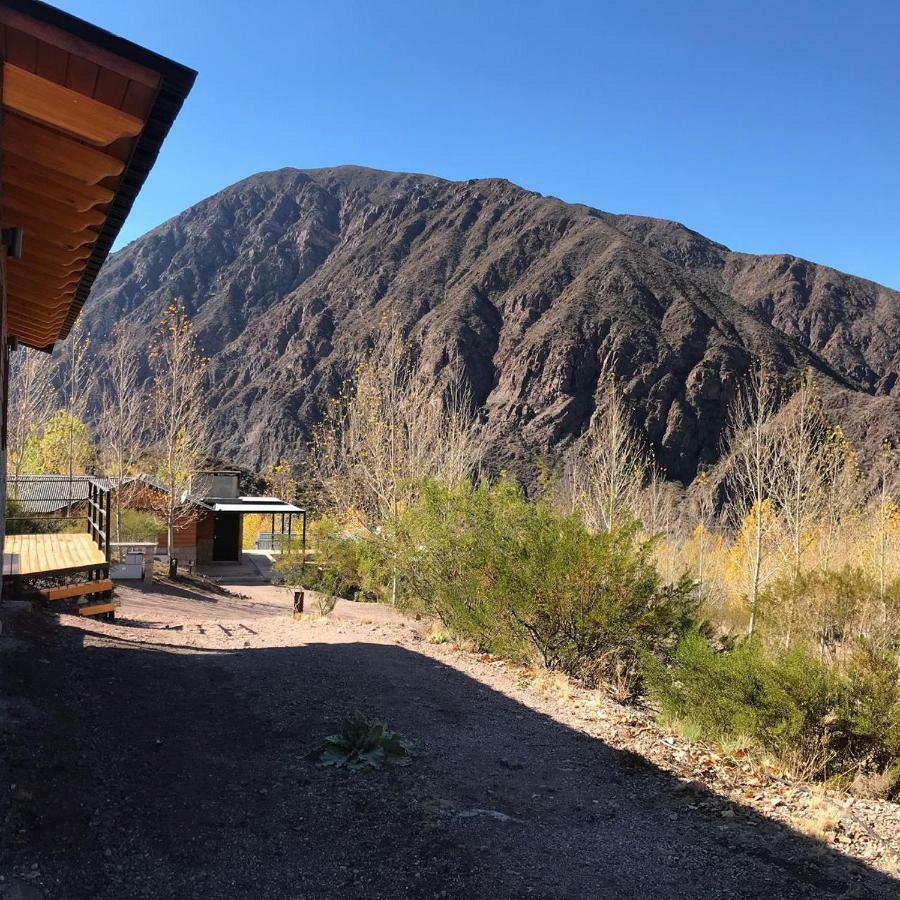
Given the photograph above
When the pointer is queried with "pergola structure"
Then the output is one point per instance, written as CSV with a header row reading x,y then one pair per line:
x,y
281,511
218,527
83,115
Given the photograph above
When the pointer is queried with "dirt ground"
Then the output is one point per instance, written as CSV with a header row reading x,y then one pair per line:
x,y
165,756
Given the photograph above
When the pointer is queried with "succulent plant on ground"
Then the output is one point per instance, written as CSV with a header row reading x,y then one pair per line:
x,y
364,744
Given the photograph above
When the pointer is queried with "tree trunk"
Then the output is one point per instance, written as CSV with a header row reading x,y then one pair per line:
x,y
700,567
170,532
757,563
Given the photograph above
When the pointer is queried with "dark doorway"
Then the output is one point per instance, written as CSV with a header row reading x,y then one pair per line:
x,y
227,537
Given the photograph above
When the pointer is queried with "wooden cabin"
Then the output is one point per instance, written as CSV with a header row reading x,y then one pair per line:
x,y
83,115
210,525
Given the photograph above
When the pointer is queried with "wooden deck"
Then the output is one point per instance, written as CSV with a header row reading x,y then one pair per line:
x,y
26,555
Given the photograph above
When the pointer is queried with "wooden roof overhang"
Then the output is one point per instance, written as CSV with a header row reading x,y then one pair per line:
x,y
83,116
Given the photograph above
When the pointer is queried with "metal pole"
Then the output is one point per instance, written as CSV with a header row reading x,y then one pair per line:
x,y
304,537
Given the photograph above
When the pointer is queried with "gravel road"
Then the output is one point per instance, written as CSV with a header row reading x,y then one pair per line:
x,y
165,756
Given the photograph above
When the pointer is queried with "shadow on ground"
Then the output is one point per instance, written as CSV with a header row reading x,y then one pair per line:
x,y
185,590
150,772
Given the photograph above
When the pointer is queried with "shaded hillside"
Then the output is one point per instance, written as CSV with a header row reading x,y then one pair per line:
x,y
288,274
852,323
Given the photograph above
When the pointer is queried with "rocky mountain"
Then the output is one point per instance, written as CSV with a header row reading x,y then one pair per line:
x,y
852,323
288,275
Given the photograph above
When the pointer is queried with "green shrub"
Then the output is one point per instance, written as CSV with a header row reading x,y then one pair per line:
x,y
812,716
338,564
828,608
139,525
517,577
873,716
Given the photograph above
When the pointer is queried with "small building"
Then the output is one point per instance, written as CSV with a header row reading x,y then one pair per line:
x,y
210,528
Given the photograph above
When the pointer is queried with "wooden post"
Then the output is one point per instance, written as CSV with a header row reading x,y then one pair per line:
x,y
107,526
93,514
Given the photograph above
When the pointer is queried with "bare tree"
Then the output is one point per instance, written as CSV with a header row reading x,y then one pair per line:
x,y
75,376
179,414
122,424
886,516
796,483
654,499
612,468
655,507
390,428
751,442
32,401
705,515
842,490
797,486
279,479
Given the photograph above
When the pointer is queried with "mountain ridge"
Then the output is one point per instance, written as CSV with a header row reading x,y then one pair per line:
x,y
287,274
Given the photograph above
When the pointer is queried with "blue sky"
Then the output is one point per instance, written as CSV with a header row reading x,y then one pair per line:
x,y
771,127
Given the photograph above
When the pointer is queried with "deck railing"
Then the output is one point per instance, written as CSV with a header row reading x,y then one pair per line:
x,y
99,515
38,504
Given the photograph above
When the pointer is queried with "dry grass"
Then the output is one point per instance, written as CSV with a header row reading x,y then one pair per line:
x,y
551,685
819,820
437,634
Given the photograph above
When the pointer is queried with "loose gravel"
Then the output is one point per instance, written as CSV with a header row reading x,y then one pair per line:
x,y
166,756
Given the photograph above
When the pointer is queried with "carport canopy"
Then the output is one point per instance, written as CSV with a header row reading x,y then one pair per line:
x,y
251,505
271,506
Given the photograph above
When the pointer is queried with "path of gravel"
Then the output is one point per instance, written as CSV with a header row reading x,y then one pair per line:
x,y
165,756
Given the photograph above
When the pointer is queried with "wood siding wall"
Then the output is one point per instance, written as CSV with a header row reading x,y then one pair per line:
x,y
138,495
205,529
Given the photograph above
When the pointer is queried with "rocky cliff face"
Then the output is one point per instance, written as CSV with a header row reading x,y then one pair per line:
x,y
853,324
288,275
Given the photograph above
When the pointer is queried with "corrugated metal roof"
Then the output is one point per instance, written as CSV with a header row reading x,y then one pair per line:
x,y
52,493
